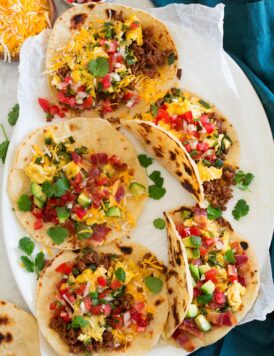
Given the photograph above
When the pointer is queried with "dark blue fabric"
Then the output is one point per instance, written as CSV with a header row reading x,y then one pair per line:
x,y
249,39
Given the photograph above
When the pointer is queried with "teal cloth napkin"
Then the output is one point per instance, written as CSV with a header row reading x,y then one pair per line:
x,y
249,39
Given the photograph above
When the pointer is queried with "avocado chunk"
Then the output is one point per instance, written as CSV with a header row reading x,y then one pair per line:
x,y
192,311
38,203
37,192
84,200
192,241
137,189
194,272
202,323
208,287
204,268
196,253
114,212
189,253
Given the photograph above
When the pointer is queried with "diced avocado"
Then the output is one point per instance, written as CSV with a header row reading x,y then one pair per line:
x,y
192,241
189,253
194,270
208,287
204,299
193,282
196,253
36,190
84,231
84,200
202,323
40,204
114,212
204,268
192,311
137,189
186,214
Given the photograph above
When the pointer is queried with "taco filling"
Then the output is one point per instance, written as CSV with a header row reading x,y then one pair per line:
x,y
203,133
106,63
101,301
218,267
82,193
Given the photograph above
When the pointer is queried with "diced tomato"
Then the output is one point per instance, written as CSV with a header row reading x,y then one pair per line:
x,y
106,81
242,281
67,79
195,231
80,289
106,309
177,123
37,213
104,293
162,115
188,117
115,285
139,306
188,147
211,275
219,297
45,104
102,181
202,146
128,95
65,268
87,303
135,25
54,109
141,329
68,100
75,157
232,273
209,128
102,41
183,232
116,322
95,309
106,107
53,306
208,242
102,281
65,317
80,212
204,119
38,224
203,251
87,102
111,48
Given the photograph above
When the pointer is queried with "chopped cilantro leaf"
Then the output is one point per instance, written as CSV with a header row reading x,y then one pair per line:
x,y
154,109
62,214
171,58
204,104
155,176
13,115
213,213
58,234
24,203
99,67
79,322
39,262
27,263
155,192
26,245
241,209
61,186
154,284
4,145
145,160
159,223
243,180
229,256
120,274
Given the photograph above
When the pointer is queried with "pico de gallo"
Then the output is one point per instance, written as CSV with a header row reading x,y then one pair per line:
x,y
80,193
107,64
101,301
196,124
218,267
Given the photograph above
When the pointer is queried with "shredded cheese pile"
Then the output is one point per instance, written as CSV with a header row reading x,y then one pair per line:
x,y
20,19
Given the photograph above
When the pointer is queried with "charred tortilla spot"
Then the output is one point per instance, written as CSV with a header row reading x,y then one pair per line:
x,y
244,245
2,337
179,73
9,337
187,169
72,127
6,338
3,303
179,173
188,187
158,302
172,273
158,151
4,320
91,6
127,250
77,21
170,290
172,155
140,290
148,142
178,261
174,312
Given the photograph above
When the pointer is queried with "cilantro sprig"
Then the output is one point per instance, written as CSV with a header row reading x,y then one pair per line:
x,y
56,189
30,263
13,115
58,234
99,67
159,223
155,191
240,209
4,145
243,180
213,213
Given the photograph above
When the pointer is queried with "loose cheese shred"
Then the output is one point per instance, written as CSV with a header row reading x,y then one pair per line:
x,y
20,19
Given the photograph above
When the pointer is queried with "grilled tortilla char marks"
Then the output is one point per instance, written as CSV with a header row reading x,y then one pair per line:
x,y
4,320
77,21
127,250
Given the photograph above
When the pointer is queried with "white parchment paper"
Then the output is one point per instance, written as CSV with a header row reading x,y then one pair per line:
x,y
198,33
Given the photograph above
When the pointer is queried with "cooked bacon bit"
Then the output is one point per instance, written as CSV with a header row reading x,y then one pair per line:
x,y
100,232
220,319
183,339
119,194
99,158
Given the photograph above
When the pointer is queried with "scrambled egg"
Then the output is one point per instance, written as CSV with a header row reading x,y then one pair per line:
x,y
39,174
89,276
129,268
209,173
94,330
178,108
234,293
134,34
71,169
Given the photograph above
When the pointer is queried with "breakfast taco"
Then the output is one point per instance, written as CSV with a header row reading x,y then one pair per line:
x,y
224,278
14,339
106,57
193,141
77,183
108,300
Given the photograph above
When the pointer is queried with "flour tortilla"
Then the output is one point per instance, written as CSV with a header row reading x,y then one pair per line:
x,y
18,332
45,292
172,154
96,14
252,277
96,134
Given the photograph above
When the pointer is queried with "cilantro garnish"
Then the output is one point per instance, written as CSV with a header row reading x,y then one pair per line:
x,y
79,322
120,274
159,223
58,234
213,213
13,115
24,203
155,192
171,58
4,145
154,284
31,264
204,104
229,256
57,189
154,109
156,177
243,180
145,161
241,209
99,67
62,214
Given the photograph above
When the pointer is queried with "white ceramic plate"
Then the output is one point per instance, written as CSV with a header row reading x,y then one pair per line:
x,y
228,88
